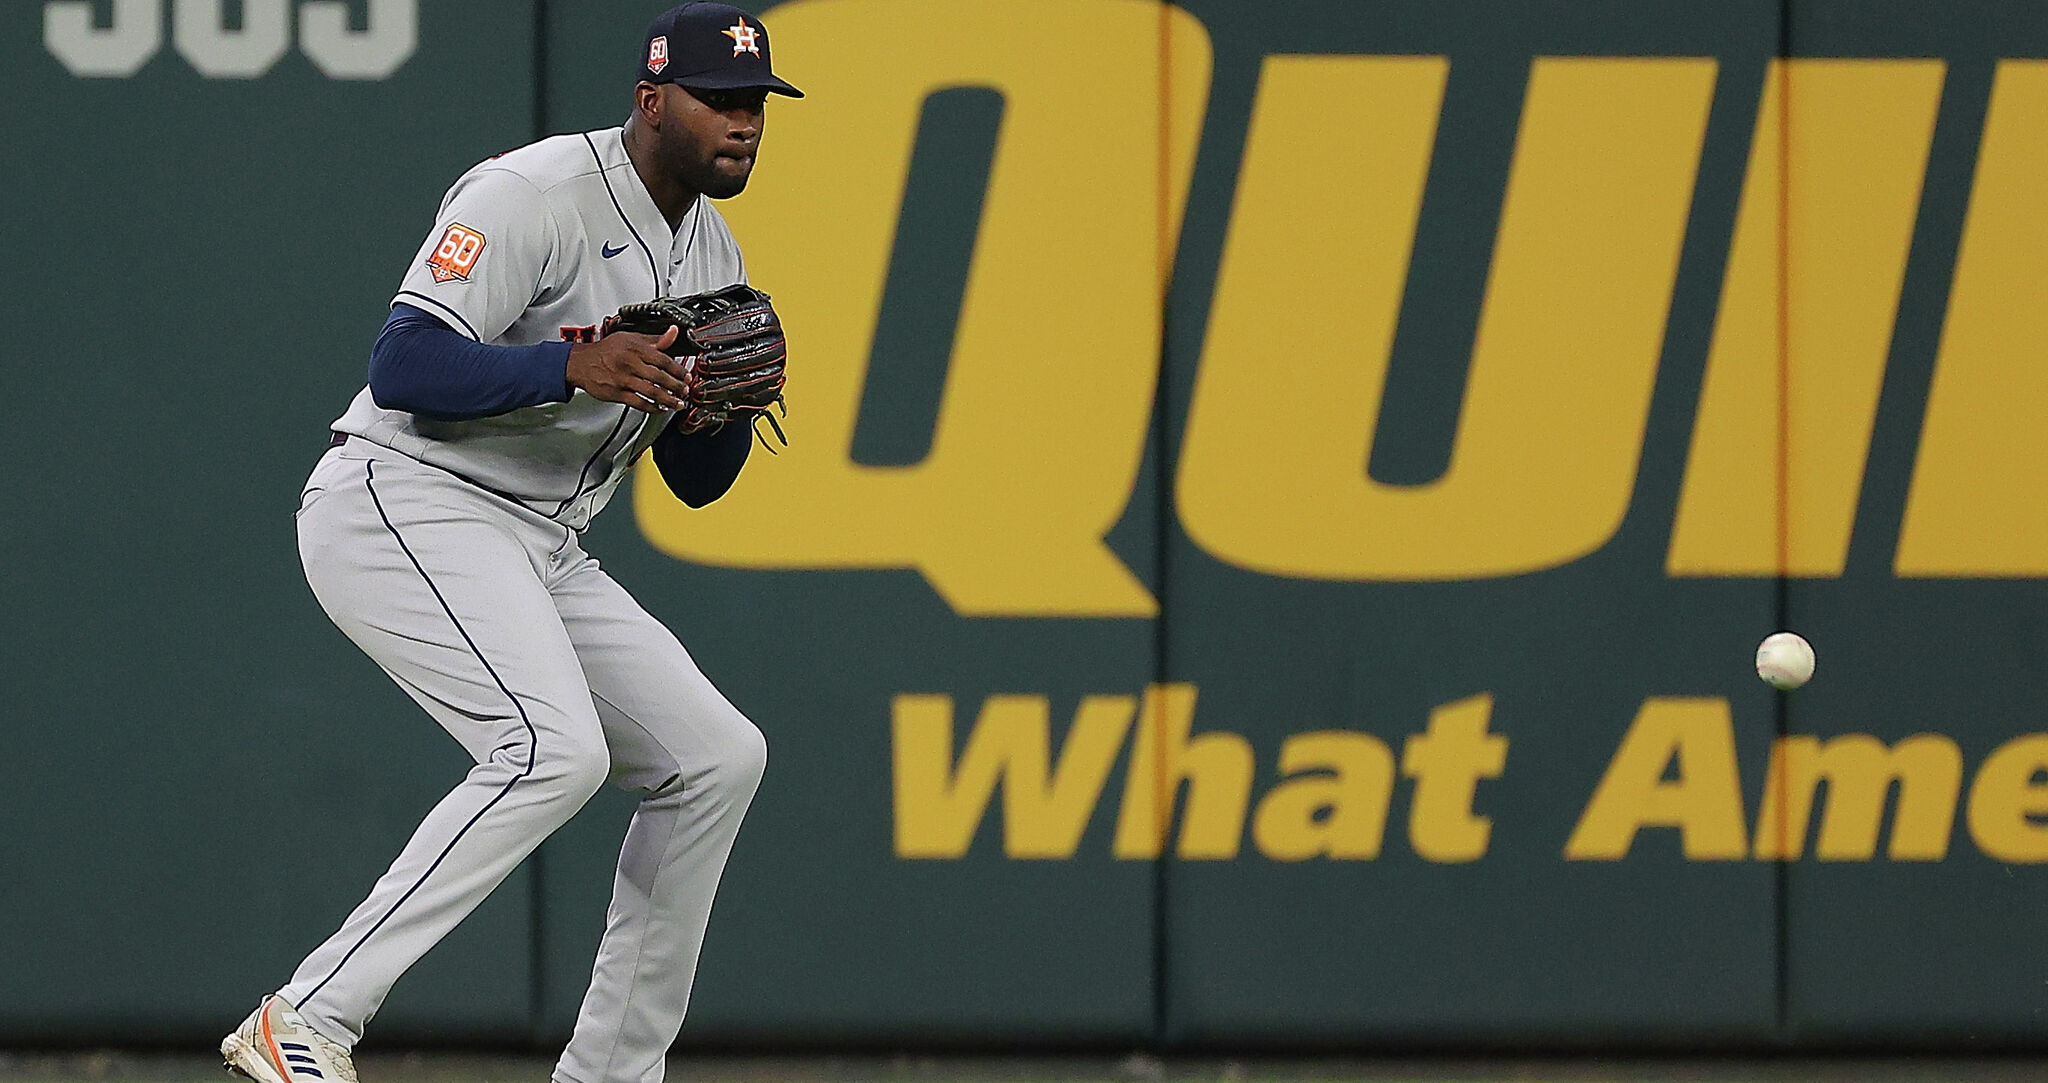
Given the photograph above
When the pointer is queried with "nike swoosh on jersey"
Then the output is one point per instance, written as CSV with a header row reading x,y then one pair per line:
x,y
609,251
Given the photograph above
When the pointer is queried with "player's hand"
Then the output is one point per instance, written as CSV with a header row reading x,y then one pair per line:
x,y
632,369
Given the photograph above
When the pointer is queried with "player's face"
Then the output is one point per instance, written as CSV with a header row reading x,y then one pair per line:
x,y
710,137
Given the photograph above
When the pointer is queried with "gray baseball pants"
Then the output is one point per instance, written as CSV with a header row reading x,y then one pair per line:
x,y
553,679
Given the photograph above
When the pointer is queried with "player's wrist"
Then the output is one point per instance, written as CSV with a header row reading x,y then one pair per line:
x,y
555,372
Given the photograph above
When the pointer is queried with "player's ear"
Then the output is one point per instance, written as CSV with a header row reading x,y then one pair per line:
x,y
647,104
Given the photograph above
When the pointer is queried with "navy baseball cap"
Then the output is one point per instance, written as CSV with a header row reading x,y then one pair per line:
x,y
709,46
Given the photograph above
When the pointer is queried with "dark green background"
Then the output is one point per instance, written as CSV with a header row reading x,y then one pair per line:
x,y
202,776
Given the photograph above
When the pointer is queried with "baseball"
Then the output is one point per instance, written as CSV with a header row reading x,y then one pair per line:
x,y
1784,660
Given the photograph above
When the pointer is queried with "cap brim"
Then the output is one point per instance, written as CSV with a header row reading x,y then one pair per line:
x,y
737,80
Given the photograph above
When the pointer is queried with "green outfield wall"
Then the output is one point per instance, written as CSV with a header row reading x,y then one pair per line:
x,y
1282,497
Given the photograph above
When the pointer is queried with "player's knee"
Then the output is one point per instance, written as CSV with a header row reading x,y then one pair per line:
x,y
574,773
741,762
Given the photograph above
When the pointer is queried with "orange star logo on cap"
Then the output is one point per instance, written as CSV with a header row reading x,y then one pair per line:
x,y
743,37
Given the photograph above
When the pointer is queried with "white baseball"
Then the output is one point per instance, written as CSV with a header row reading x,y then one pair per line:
x,y
1784,660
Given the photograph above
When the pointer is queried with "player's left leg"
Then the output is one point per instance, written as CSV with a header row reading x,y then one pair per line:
x,y
697,760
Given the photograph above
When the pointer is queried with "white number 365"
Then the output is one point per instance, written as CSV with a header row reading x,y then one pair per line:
x,y
199,30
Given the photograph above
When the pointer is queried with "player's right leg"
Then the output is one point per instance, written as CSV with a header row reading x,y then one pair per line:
x,y
440,584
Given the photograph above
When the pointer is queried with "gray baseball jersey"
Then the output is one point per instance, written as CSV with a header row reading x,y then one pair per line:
x,y
541,244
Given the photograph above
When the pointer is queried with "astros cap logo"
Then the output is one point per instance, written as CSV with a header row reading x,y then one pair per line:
x,y
742,37
657,54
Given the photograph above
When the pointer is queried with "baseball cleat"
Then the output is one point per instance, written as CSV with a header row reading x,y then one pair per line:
x,y
274,1045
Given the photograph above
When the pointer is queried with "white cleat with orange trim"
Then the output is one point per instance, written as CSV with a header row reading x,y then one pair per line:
x,y
274,1045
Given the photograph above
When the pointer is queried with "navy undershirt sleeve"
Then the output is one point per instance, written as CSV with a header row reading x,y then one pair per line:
x,y
423,366
699,467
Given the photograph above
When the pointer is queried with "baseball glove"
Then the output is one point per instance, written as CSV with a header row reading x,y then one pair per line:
x,y
735,342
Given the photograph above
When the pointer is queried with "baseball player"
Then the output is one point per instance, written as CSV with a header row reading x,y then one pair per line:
x,y
440,533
